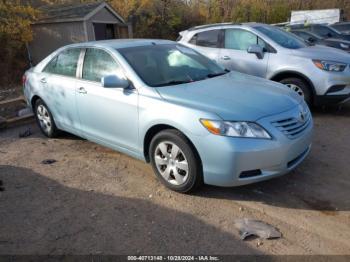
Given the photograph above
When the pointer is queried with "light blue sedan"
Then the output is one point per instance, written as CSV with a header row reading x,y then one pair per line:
x,y
166,104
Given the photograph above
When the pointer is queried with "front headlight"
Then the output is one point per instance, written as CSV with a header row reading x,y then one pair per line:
x,y
344,46
235,129
329,65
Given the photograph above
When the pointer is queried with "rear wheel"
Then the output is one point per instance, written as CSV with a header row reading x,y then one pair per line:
x,y
175,161
300,87
45,120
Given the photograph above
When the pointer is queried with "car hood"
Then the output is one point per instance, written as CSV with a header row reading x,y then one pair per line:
x,y
323,53
233,96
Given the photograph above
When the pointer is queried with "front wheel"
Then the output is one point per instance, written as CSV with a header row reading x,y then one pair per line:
x,y
175,161
300,87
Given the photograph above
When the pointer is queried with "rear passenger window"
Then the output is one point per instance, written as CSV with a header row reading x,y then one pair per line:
x,y
208,38
65,63
97,64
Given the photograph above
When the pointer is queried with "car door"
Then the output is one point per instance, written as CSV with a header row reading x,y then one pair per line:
x,y
207,43
107,115
58,80
234,54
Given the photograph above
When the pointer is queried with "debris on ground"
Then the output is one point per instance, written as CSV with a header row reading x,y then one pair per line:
x,y
260,243
25,133
258,191
250,227
48,161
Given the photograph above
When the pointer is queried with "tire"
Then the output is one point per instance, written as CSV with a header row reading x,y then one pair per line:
x,y
45,120
173,167
299,85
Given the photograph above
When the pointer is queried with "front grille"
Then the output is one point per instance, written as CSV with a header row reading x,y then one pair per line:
x,y
293,127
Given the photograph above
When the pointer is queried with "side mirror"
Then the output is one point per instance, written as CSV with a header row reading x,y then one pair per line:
x,y
256,49
114,81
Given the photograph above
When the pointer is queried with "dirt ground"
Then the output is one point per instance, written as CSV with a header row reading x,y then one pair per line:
x,y
96,201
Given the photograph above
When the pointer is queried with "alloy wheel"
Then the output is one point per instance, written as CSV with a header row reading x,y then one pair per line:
x,y
296,89
171,163
44,118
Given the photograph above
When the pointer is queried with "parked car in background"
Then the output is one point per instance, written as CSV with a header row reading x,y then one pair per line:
x,y
317,40
321,30
165,103
317,73
343,27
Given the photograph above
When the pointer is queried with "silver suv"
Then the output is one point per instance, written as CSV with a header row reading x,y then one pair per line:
x,y
320,74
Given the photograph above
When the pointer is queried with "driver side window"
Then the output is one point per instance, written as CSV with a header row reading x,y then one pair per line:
x,y
239,39
97,64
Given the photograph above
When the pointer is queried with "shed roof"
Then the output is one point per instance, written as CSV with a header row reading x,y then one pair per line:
x,y
73,12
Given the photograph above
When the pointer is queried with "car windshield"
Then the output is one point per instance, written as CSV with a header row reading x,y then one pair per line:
x,y
309,38
341,27
281,37
170,64
308,34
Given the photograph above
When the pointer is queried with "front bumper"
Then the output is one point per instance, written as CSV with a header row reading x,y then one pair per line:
x,y
225,159
333,98
324,82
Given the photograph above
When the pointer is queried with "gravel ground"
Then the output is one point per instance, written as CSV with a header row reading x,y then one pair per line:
x,y
96,201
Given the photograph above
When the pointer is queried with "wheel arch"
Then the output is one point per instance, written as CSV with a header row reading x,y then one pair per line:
x,y
288,74
155,129
33,100
36,98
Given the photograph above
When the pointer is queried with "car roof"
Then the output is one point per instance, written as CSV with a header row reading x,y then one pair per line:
x,y
122,43
210,25
220,25
252,24
341,23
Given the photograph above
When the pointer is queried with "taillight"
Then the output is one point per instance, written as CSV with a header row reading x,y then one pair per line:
x,y
24,79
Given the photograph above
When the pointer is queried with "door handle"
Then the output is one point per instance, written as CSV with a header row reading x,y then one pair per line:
x,y
43,80
225,57
82,90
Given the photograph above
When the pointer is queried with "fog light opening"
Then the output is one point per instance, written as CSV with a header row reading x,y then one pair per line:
x,y
250,173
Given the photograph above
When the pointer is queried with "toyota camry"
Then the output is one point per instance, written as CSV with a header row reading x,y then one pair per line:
x,y
166,104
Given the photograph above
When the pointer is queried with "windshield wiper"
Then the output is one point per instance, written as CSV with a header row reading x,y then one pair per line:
x,y
217,74
173,82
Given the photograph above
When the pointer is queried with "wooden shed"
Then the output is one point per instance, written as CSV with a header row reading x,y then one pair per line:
x,y
60,25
